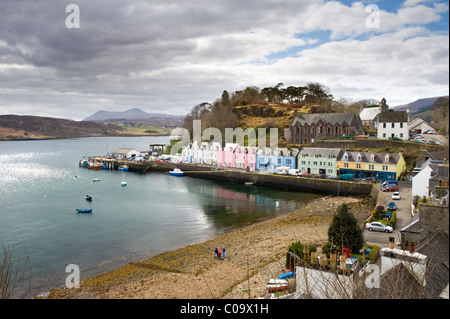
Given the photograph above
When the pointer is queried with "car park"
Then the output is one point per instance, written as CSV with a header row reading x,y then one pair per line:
x,y
396,195
378,226
392,206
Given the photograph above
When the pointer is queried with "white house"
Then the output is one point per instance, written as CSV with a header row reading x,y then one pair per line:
x,y
393,124
125,153
421,180
420,126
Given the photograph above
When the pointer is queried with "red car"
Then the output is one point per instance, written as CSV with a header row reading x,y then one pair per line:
x,y
390,188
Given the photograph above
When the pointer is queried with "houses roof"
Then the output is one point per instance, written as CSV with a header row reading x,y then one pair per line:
x,y
369,157
418,122
311,151
332,118
393,117
369,113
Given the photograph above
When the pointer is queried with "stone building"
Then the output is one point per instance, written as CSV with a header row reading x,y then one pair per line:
x,y
309,128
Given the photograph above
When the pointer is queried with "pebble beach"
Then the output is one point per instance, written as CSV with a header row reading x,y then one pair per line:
x,y
254,255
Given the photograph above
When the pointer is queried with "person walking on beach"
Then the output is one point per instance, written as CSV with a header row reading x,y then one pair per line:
x,y
223,252
220,254
216,253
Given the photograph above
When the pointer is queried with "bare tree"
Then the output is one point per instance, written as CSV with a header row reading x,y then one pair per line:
x,y
12,275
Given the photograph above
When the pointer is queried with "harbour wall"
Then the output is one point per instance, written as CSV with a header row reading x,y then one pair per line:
x,y
287,182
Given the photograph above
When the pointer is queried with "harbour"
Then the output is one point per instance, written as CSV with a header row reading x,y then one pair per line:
x,y
43,185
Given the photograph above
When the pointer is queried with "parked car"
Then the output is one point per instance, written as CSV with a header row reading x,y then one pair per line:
x,y
377,226
390,188
392,206
396,195
371,180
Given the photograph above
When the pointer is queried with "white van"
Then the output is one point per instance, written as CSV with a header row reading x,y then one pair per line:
x,y
294,172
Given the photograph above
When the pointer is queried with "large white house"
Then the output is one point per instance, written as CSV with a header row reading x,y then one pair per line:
x,y
393,124
423,174
420,126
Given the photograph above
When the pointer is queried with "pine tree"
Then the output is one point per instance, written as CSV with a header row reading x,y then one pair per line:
x,y
344,230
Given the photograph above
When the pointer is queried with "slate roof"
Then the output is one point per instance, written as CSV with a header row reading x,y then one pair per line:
x,y
393,117
369,113
366,157
331,118
324,152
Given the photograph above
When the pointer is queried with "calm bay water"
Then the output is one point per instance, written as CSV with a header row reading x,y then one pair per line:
x,y
41,185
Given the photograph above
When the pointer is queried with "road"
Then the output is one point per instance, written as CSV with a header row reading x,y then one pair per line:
x,y
403,215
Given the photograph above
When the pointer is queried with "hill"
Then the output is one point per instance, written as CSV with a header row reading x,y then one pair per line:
x,y
16,127
418,105
138,116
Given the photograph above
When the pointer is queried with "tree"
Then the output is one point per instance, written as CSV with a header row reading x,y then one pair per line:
x,y
12,275
344,230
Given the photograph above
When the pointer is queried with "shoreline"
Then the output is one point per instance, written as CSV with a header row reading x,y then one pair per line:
x,y
254,254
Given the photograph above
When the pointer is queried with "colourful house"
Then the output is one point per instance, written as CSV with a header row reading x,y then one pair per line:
x,y
268,159
318,161
383,166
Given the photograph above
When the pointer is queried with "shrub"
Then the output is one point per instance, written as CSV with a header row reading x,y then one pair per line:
x,y
297,249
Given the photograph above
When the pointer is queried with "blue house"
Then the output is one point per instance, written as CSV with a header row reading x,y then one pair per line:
x,y
268,159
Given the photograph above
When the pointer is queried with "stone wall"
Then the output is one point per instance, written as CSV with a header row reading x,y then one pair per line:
x,y
434,218
291,183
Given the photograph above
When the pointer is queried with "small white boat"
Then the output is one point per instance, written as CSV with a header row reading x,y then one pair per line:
x,y
96,180
176,172
124,183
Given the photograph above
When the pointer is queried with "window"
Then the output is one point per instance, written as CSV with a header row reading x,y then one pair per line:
x,y
384,125
393,125
358,165
303,162
401,125
384,134
401,134
314,163
346,165
288,162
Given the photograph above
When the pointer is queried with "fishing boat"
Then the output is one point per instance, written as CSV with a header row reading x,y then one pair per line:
x,y
176,172
95,166
89,210
277,285
89,198
123,168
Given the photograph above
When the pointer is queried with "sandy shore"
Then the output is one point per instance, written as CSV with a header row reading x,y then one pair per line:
x,y
253,256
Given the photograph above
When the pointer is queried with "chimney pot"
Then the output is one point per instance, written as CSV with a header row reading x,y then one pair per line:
x,y
412,247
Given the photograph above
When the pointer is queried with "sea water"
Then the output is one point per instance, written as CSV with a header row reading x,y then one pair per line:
x,y
41,186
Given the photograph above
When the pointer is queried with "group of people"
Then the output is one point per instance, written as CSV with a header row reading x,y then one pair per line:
x,y
219,254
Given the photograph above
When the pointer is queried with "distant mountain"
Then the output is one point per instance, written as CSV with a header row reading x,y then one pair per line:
x,y
418,105
14,127
131,114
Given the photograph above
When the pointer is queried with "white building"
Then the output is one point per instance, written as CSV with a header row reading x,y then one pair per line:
x,y
420,126
421,179
368,116
393,124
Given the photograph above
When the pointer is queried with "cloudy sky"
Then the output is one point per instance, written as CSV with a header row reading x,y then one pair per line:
x,y
167,56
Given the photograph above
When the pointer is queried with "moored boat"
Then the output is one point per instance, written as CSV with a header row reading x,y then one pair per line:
x,y
123,168
95,166
176,172
124,183
88,210
89,198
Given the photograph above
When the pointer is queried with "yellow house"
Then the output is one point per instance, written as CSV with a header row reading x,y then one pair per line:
x,y
383,166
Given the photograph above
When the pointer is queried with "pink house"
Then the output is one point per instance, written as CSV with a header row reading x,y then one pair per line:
x,y
233,155
226,157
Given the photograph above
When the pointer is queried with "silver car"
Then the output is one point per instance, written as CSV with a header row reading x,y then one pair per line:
x,y
377,226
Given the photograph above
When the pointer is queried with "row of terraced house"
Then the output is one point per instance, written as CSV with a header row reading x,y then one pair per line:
x,y
323,162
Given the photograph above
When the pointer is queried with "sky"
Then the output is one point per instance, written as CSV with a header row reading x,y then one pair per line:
x,y
72,59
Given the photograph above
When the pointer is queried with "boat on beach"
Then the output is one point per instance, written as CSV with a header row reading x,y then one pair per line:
x,y
277,285
86,210
176,172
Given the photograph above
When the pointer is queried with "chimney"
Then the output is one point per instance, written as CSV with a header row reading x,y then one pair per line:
x,y
314,257
342,260
391,242
333,260
412,247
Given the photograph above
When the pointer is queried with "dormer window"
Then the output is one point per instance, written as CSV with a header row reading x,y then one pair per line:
x,y
359,157
346,156
386,158
372,157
